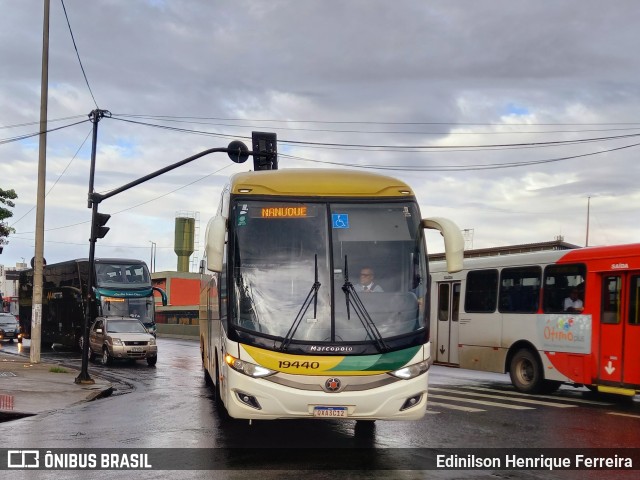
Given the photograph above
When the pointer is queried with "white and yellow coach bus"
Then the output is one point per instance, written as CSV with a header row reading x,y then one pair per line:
x,y
285,332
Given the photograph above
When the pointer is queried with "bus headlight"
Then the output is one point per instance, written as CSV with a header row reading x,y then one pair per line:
x,y
247,368
411,371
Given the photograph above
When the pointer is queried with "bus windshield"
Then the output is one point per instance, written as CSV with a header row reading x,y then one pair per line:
x,y
123,275
296,271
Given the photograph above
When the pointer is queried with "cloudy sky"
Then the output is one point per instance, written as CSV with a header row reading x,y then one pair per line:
x,y
509,117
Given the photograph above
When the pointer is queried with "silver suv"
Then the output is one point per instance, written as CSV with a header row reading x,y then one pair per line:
x,y
121,337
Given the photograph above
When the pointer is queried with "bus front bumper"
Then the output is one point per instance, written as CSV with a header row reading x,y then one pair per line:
x,y
260,398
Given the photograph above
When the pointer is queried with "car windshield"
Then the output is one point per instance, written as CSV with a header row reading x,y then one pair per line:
x,y
297,270
8,319
125,326
140,308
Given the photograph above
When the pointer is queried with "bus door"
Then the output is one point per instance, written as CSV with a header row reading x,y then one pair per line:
x,y
619,352
448,310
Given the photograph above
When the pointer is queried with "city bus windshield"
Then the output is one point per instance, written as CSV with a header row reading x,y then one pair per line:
x,y
296,271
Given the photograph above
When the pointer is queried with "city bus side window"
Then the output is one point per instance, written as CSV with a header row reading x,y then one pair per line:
x,y
443,302
611,290
520,290
482,291
634,300
559,281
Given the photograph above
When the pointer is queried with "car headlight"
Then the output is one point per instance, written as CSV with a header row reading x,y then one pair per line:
x,y
116,341
411,371
247,368
152,341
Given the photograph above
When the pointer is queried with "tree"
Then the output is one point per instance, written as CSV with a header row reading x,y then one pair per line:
x,y
6,197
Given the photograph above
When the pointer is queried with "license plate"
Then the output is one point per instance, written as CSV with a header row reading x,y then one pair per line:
x,y
330,411
136,349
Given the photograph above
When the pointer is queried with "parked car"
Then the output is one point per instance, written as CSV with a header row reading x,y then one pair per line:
x,y
9,327
121,338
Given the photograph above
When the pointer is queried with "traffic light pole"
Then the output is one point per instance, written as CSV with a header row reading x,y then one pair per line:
x,y
95,116
237,151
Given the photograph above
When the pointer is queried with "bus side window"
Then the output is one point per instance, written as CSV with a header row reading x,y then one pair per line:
x,y
559,280
634,300
611,290
482,291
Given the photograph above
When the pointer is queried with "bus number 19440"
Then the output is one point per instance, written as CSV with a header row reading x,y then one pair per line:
x,y
308,365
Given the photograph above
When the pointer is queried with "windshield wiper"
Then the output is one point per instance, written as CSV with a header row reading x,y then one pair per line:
x,y
353,300
311,296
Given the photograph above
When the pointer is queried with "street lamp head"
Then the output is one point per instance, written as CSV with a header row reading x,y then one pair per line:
x,y
238,152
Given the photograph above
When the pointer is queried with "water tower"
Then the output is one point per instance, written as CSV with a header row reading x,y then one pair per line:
x,y
184,239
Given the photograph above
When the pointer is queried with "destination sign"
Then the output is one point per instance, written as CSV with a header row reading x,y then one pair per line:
x,y
283,211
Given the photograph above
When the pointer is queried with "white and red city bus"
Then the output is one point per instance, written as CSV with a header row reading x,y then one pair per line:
x,y
506,313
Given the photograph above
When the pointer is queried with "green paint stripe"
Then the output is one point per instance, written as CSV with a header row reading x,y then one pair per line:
x,y
384,362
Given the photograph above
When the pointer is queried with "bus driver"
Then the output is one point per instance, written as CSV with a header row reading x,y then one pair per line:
x,y
366,281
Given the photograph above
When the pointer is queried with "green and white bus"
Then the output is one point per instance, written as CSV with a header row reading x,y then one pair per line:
x,y
122,288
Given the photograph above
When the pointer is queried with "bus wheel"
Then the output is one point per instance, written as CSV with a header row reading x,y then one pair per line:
x,y
526,372
106,358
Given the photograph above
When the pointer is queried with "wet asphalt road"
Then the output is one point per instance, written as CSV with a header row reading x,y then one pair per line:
x,y
170,406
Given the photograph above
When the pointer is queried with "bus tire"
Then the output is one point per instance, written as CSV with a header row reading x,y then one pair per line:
x,y
216,389
525,371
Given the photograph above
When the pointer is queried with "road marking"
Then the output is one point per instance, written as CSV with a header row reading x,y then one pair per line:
x,y
454,407
552,397
623,414
521,400
481,402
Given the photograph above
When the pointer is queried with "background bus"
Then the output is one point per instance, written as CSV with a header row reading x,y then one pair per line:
x,y
508,314
289,336
122,288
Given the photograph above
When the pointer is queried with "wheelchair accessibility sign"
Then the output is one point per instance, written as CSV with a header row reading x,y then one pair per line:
x,y
340,220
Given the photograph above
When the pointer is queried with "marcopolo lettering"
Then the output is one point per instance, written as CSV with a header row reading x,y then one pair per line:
x,y
331,348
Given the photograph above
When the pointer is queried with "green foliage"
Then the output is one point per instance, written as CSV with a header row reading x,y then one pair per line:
x,y
6,197
58,370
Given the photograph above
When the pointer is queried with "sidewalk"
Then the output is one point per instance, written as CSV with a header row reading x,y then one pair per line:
x,y
29,389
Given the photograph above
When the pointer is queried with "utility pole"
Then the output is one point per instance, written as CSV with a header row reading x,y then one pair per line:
x,y
586,243
152,263
38,258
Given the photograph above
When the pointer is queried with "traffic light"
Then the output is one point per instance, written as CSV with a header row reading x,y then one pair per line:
x,y
265,151
99,220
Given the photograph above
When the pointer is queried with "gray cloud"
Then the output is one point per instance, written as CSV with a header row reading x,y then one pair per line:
x,y
511,66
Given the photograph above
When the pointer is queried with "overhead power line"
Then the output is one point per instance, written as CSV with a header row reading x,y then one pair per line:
x,y
78,53
384,147
35,134
361,122
37,122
